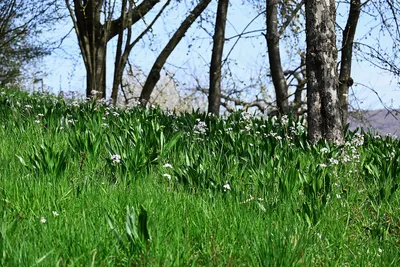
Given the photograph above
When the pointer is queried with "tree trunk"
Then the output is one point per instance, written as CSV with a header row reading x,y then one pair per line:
x,y
324,117
96,75
121,57
345,80
214,97
154,74
118,70
275,64
93,46
93,37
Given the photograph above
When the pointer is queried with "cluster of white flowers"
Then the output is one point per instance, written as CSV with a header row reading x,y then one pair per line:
x,y
226,187
116,158
273,134
75,104
200,128
284,120
167,175
350,150
358,140
43,219
333,161
324,150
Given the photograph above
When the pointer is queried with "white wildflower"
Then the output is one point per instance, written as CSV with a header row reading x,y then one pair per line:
x,y
324,150
200,127
333,161
167,165
116,158
167,175
227,187
55,213
43,220
284,120
358,140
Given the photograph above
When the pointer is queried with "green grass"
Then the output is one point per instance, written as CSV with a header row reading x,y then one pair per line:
x,y
238,191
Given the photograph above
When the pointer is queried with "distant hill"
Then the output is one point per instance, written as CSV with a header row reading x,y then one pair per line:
x,y
380,121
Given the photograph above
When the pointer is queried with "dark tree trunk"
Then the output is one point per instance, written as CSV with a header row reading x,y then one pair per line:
x,y
121,57
93,46
275,64
154,74
345,80
214,97
118,69
93,37
324,117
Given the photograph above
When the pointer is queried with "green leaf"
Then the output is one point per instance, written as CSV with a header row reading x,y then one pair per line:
x,y
21,160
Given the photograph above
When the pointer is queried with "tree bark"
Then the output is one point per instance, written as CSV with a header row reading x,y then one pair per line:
x,y
118,70
121,57
214,97
345,80
154,74
324,117
93,37
92,44
275,64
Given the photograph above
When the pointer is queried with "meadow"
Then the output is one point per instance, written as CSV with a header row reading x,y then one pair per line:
x,y
85,184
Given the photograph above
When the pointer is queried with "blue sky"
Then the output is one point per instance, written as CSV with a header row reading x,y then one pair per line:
x,y
65,69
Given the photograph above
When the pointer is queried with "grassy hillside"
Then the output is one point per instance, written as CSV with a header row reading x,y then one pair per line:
x,y
83,184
